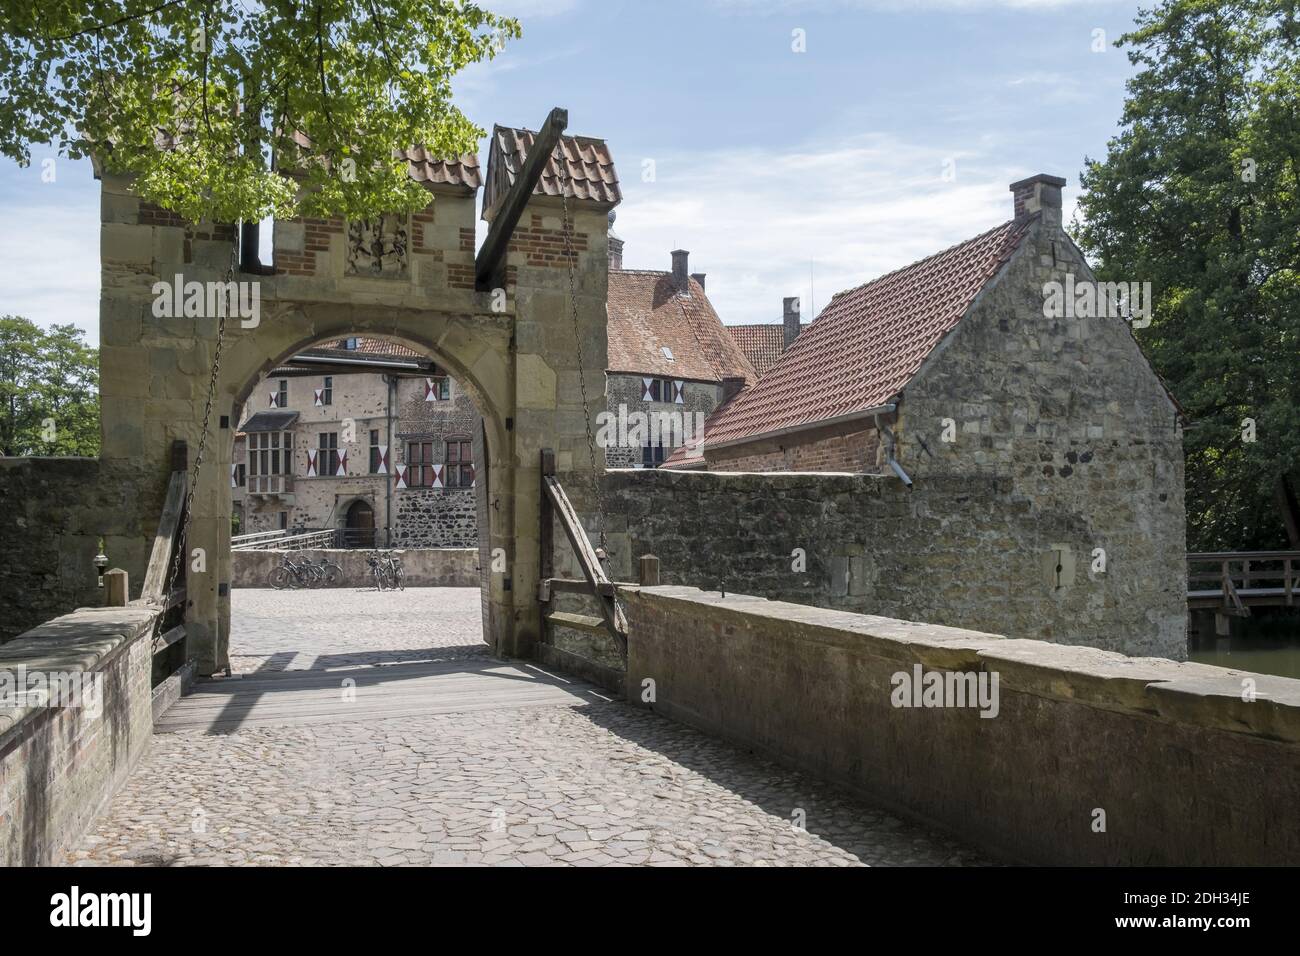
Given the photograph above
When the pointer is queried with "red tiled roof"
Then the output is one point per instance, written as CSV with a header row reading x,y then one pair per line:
x,y
869,341
646,314
424,166
588,168
762,343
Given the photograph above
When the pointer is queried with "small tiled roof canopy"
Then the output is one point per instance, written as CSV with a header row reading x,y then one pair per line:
x,y
869,341
763,343
269,422
646,314
588,171
424,166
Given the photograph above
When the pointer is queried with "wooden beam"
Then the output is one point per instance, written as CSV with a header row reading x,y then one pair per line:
x,y
491,258
601,586
168,526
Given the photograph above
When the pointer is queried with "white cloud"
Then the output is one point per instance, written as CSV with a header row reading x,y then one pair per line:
x,y
756,220
49,262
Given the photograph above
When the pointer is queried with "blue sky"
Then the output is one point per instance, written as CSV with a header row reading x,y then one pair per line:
x,y
781,171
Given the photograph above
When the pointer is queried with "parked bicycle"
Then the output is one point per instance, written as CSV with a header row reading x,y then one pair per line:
x,y
386,569
304,574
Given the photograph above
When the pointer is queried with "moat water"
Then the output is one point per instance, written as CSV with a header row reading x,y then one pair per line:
x,y
1267,642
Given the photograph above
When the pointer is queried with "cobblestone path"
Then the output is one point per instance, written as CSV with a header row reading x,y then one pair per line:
x,y
468,760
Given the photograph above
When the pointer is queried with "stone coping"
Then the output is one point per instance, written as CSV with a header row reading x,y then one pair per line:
x,y
84,640
1184,692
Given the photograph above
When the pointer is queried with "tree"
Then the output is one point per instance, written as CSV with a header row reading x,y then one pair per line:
x,y
207,101
49,390
1199,193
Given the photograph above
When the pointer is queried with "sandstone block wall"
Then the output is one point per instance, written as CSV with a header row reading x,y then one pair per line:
x,y
59,765
1176,766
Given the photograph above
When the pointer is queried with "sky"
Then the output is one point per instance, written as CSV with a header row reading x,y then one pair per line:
x,y
794,147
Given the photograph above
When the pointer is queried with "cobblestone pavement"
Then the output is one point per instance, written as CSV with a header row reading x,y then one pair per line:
x,y
596,784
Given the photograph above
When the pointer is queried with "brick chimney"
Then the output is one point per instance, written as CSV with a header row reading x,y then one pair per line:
x,y
1041,192
615,246
790,316
699,277
681,272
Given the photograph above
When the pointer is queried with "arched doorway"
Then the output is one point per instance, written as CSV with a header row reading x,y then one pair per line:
x,y
359,523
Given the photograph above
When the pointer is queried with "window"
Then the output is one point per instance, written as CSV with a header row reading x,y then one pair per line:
x,y
350,344
437,389
269,453
282,395
656,390
284,520
668,353
652,456
327,393
460,464
419,464
374,451
327,462
241,477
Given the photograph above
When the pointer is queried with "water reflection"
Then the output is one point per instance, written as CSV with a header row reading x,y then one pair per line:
x,y
1266,643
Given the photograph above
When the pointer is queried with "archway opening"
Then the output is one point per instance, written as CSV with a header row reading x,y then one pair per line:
x,y
353,453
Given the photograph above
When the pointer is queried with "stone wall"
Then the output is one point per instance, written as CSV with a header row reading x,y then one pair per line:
x,y
55,512
1085,758
421,567
436,518
960,551
59,765
624,392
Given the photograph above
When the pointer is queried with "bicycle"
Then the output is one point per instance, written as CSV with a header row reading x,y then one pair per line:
x,y
386,570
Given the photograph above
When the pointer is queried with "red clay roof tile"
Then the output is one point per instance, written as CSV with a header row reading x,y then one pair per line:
x,y
869,341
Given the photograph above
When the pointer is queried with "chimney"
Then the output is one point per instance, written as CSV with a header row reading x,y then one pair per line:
x,y
699,277
681,282
790,316
1041,192
615,246
731,386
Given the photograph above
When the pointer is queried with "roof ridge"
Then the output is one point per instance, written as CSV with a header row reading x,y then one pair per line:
x,y
1025,220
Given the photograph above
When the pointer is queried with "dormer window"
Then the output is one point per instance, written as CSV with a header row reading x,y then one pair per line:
x,y
668,353
350,344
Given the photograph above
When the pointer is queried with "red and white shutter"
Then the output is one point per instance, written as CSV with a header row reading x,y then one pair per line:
x,y
399,471
343,464
311,463
437,476
473,476
320,395
382,469
275,399
234,476
430,394
679,392
645,389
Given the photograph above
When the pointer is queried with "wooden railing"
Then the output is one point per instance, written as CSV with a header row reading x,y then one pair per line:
x,y
1233,581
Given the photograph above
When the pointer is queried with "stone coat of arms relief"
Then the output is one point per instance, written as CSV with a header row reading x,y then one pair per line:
x,y
377,247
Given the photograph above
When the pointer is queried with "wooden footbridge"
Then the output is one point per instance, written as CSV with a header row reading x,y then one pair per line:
x,y
1232,582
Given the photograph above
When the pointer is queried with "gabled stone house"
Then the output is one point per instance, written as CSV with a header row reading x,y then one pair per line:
x,y
671,362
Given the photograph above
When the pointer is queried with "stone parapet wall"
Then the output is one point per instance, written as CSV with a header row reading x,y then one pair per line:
x,y
1091,758
963,551
59,765
55,512
421,567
